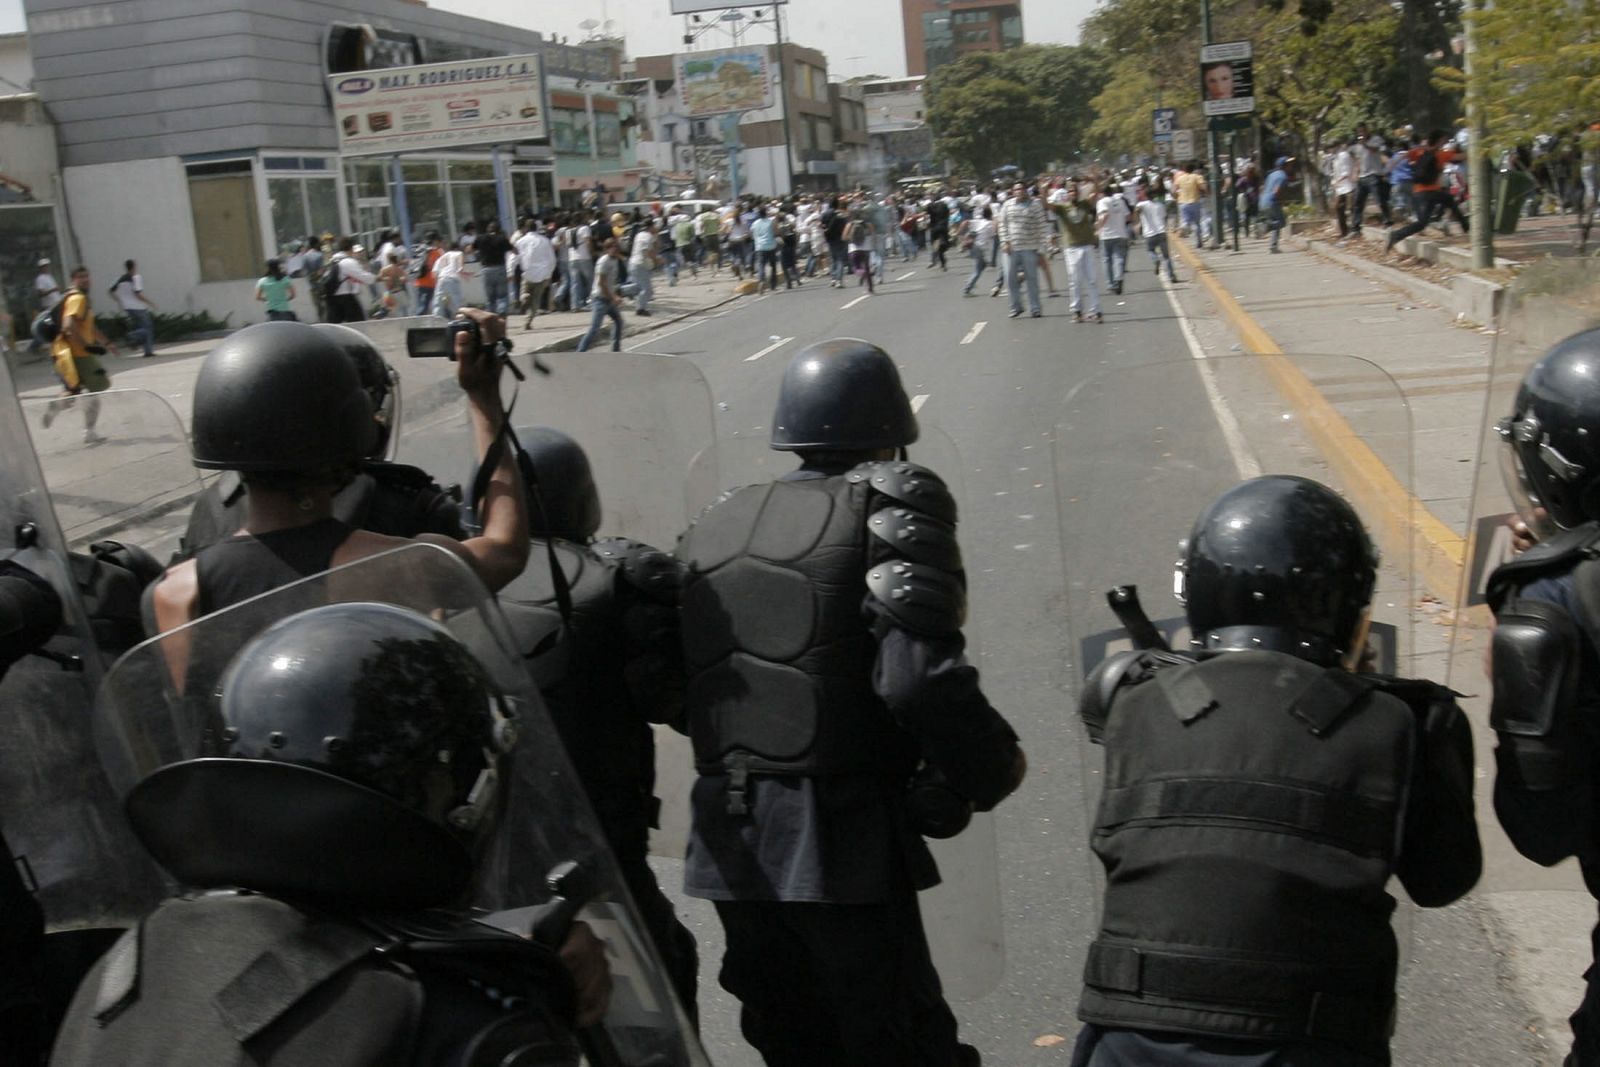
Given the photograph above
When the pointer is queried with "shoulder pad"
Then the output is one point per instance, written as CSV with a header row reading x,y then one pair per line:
x,y
1119,671
909,484
909,533
1535,669
652,572
1559,553
919,598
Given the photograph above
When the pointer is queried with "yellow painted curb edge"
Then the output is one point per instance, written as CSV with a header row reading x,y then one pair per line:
x,y
1405,523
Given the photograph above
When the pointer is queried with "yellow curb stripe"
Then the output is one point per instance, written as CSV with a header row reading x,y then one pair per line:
x,y
1405,523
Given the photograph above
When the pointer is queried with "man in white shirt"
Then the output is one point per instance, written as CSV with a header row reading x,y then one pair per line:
x,y
580,264
47,292
537,257
642,261
45,287
1112,213
1153,224
129,291
1345,178
346,303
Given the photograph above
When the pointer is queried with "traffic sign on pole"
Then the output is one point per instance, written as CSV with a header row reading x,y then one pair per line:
x,y
1183,144
1163,120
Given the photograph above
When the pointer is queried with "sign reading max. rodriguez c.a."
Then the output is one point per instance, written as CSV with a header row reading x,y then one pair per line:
x,y
439,105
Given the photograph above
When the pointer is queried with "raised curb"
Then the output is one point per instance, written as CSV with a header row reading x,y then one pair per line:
x,y
1404,522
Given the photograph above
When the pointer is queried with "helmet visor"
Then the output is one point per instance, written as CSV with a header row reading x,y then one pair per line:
x,y
1522,490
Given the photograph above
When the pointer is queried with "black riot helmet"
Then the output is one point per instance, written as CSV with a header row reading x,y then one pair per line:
x,y
556,467
353,760
280,397
842,395
378,380
1552,464
1278,563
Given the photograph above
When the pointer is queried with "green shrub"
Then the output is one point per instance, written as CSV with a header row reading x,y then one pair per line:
x,y
169,327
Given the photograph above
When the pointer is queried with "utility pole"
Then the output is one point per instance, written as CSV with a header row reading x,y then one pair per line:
x,y
1478,174
1211,143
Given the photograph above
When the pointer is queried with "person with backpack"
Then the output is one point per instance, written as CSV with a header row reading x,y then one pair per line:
x,y
342,280
422,270
76,344
1427,188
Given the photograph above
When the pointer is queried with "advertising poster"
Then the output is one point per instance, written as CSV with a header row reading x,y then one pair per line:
x,y
731,79
1227,81
439,105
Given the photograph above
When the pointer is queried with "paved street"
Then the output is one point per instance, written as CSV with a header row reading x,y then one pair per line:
x,y
1472,992
996,387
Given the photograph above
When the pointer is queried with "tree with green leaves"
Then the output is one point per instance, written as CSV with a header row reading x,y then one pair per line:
x,y
1024,106
1537,72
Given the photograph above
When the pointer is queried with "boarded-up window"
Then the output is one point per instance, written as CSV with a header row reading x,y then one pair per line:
x,y
227,227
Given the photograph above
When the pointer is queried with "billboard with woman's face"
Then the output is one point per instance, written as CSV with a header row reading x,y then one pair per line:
x,y
1227,86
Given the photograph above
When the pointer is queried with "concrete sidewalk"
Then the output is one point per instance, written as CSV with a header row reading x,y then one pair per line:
x,y
426,385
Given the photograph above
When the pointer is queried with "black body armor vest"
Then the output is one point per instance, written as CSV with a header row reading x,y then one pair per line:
x,y
582,674
238,568
229,979
779,656
1251,817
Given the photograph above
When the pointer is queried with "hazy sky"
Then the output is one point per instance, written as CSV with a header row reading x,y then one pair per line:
x,y
859,36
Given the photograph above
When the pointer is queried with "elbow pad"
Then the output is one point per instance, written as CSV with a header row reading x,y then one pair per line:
x,y
1535,667
917,577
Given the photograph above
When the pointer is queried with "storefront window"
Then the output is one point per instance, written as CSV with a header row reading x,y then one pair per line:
x,y
427,208
474,202
608,131
420,172
471,172
302,206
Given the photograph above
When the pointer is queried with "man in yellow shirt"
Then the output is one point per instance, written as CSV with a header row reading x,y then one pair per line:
x,y
1192,191
75,351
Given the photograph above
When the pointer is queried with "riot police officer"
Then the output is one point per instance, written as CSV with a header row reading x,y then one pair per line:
x,y
598,621
328,833
1546,644
1258,795
821,619
281,403
383,497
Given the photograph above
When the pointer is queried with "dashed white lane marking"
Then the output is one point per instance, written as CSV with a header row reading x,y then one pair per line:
x,y
854,302
919,400
1243,459
773,347
972,334
906,275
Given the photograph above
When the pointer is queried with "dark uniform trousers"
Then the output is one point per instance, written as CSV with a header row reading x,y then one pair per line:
x,y
841,985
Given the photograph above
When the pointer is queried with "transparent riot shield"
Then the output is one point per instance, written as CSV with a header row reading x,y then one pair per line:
x,y
1141,451
1548,302
60,817
961,914
161,703
130,479
640,417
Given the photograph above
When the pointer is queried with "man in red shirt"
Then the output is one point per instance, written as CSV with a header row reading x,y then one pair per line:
x,y
1427,176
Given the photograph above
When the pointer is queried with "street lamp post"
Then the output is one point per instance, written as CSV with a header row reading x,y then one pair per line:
x,y
1478,175
1211,143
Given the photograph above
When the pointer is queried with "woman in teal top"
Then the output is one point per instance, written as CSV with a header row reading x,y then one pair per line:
x,y
277,289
